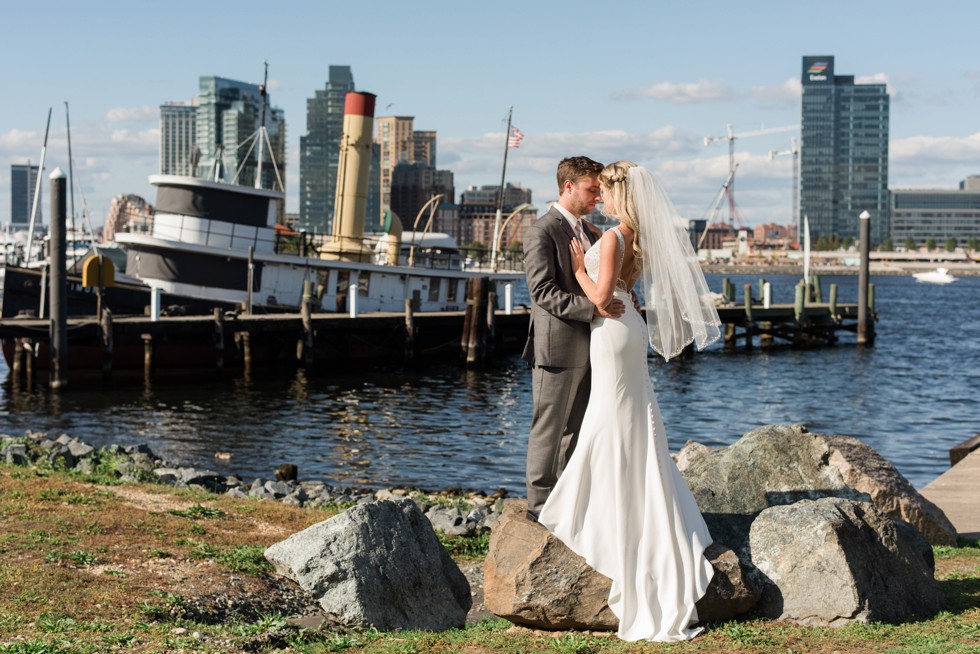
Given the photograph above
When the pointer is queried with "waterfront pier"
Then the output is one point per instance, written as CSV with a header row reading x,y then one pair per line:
x,y
809,321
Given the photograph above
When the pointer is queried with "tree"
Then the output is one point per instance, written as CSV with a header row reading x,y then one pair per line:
x,y
887,246
822,243
930,244
848,242
950,244
910,245
516,246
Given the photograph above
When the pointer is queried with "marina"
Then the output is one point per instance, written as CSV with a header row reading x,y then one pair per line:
x,y
440,424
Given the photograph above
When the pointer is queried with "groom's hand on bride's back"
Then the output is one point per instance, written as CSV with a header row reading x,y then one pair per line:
x,y
614,309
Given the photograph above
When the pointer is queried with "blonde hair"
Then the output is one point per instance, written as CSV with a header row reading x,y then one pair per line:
x,y
618,201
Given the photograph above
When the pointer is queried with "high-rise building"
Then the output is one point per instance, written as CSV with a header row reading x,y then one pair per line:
x,y
23,180
938,214
478,213
844,152
178,138
214,135
424,147
319,151
395,137
228,114
413,185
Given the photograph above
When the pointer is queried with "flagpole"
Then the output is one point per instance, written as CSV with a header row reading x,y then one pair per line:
x,y
500,194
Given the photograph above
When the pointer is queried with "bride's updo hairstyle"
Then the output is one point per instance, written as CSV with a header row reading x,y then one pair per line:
x,y
617,199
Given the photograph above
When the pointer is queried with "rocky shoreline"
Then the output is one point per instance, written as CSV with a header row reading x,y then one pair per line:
x,y
455,512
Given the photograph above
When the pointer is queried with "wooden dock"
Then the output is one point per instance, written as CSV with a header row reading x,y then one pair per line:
x,y
809,321
222,340
957,491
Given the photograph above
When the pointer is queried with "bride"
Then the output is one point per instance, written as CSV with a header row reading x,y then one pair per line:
x,y
621,503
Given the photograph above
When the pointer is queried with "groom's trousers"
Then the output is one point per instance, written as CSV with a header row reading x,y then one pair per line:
x,y
560,396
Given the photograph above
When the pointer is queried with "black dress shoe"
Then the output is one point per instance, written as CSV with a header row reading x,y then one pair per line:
x,y
531,516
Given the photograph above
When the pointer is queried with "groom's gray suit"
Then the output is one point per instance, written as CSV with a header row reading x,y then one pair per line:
x,y
557,350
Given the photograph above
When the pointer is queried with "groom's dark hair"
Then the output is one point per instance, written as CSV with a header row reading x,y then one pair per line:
x,y
572,169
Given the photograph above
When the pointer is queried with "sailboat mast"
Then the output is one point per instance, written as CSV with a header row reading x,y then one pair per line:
x,y
500,193
37,190
264,94
71,176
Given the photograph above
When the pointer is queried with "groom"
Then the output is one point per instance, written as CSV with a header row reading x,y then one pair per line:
x,y
558,338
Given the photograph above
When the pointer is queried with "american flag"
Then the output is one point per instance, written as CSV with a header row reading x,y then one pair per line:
x,y
516,136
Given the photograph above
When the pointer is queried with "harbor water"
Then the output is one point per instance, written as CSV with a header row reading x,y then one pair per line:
x,y
910,396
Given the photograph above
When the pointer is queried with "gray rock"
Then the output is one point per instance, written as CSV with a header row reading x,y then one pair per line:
x,y
863,469
16,455
532,578
79,449
377,565
769,466
444,519
832,561
688,454
279,488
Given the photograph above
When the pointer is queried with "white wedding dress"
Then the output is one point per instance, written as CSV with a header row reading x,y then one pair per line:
x,y
621,503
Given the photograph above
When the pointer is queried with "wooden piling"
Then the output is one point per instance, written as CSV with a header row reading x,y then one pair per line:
x,y
148,359
862,321
59,281
219,338
832,304
749,323
305,345
409,331
476,308
105,339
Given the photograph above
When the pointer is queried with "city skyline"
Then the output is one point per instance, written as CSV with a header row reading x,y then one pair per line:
x,y
650,92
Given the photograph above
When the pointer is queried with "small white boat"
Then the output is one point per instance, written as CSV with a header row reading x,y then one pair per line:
x,y
937,276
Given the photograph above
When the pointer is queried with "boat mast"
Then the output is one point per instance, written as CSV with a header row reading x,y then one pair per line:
x,y
37,191
500,193
71,176
262,92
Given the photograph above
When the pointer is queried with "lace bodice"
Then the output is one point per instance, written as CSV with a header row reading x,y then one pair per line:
x,y
592,259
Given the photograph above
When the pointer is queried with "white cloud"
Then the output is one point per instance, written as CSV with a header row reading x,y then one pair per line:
x,y
936,149
701,91
880,78
788,92
142,114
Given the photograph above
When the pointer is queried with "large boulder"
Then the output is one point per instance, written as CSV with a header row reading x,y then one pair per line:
x,y
832,561
863,469
377,565
532,578
778,465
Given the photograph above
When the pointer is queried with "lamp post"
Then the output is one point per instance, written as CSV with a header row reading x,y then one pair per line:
x,y
432,205
862,326
499,234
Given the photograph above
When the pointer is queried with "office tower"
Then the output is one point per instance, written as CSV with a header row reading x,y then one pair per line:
x,y
844,153
424,146
23,180
937,214
478,212
228,114
396,139
319,151
178,138
413,185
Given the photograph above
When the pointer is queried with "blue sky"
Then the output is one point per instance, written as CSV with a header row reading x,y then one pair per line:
x,y
643,80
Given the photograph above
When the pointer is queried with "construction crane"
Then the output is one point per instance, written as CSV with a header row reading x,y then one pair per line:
x,y
730,137
795,152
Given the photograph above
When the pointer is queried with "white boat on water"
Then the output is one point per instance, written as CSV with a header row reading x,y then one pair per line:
x,y
937,276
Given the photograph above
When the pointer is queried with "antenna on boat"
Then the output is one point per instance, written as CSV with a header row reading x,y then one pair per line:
x,y
262,92
37,191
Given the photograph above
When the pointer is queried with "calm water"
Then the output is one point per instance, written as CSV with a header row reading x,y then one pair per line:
x,y
911,397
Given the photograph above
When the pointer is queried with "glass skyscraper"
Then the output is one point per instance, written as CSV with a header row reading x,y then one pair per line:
x,y
23,179
319,154
844,153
